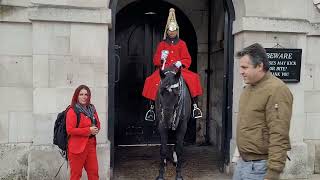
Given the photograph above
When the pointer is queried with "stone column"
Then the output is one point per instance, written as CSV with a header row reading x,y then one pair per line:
x,y
16,82
69,48
265,23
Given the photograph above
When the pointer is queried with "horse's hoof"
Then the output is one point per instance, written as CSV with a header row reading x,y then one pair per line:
x,y
160,178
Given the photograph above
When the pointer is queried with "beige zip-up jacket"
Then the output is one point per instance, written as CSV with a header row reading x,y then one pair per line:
x,y
263,125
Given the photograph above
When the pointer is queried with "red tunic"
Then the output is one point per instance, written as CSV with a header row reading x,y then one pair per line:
x,y
177,52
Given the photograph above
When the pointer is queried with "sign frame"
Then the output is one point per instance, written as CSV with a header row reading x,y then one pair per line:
x,y
287,62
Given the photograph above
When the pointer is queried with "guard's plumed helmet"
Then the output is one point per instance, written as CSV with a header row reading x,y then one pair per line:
x,y
172,24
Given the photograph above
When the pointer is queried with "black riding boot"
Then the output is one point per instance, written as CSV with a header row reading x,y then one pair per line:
x,y
150,115
196,112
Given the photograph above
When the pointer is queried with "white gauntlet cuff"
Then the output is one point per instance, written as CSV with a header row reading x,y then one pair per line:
x,y
178,64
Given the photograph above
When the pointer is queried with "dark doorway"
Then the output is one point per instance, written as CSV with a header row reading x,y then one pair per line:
x,y
139,29
136,29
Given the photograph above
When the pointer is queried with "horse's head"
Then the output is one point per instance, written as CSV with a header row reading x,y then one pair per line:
x,y
169,91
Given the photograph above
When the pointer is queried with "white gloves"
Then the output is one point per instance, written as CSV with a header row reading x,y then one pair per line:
x,y
178,64
164,54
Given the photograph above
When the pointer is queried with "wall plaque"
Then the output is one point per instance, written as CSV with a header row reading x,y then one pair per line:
x,y
285,63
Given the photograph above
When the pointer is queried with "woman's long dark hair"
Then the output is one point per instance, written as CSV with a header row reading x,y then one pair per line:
x,y
77,92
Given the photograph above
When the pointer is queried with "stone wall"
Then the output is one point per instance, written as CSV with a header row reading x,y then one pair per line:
x,y
295,26
50,47
47,49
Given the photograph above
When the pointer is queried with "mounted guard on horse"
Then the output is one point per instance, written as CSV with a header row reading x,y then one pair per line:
x,y
172,51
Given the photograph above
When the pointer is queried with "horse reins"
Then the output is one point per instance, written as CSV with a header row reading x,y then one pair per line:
x,y
176,114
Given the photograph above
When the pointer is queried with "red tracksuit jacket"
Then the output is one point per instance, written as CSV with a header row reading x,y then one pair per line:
x,y
78,137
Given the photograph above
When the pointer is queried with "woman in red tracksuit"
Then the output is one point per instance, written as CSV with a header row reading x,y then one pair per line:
x,y
82,139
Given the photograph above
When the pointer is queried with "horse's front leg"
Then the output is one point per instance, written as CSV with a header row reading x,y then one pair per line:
x,y
163,152
179,150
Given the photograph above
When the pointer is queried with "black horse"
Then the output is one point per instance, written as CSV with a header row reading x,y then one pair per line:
x,y
173,110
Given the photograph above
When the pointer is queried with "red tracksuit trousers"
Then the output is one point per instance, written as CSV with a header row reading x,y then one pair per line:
x,y
87,160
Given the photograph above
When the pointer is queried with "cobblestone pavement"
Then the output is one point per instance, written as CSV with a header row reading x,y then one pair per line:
x,y
141,163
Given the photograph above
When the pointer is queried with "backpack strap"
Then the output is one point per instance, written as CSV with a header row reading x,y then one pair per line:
x,y
77,113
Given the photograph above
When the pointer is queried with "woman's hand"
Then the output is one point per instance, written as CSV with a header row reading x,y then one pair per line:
x,y
94,130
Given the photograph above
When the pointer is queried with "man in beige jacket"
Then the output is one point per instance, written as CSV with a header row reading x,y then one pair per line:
x,y
265,109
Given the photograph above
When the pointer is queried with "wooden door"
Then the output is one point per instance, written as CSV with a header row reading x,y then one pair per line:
x,y
136,41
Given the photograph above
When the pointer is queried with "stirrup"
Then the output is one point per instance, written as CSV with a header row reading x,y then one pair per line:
x,y
150,115
196,112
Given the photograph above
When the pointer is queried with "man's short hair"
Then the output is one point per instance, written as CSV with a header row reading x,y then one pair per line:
x,y
257,55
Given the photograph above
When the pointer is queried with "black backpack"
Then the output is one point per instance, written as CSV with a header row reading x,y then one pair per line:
x,y
60,136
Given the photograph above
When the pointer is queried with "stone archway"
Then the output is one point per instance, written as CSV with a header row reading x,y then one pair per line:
x,y
198,19
139,29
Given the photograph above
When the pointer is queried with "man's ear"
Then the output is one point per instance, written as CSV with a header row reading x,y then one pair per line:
x,y
162,75
260,66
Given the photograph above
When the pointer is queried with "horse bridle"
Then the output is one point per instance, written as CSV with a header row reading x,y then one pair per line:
x,y
177,111
173,86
